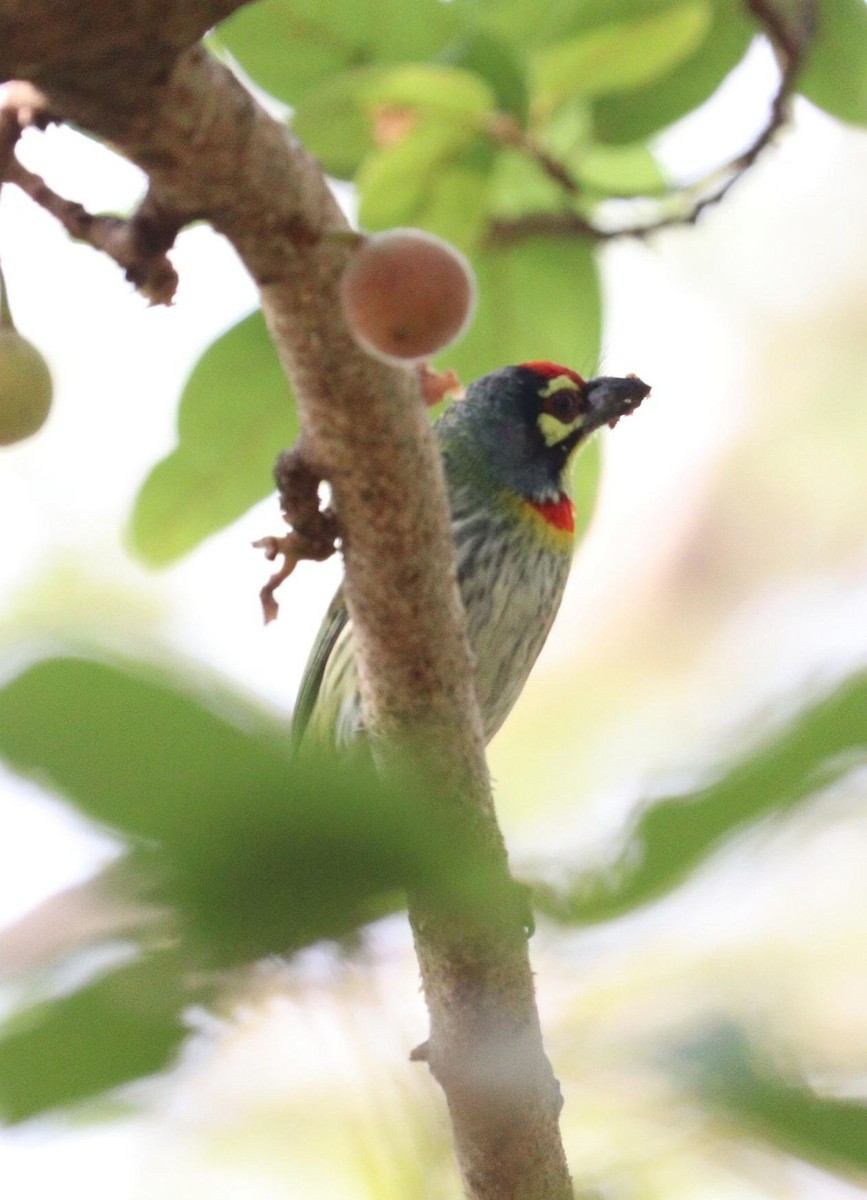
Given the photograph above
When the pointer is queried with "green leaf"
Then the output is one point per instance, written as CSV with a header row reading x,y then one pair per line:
x,y
634,115
236,414
432,178
519,186
538,299
780,1108
288,46
617,57
533,23
256,855
619,170
334,122
433,89
496,62
347,117
677,834
835,77
123,1026
252,850
434,175
136,752
611,170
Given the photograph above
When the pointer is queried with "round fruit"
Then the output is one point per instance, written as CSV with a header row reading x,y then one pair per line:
x,y
407,294
25,388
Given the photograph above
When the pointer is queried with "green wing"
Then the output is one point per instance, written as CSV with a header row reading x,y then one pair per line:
x,y
333,624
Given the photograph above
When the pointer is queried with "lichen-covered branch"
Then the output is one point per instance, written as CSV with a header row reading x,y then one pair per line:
x,y
131,72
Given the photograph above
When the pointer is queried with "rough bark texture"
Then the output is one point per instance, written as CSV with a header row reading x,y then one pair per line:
x,y
131,72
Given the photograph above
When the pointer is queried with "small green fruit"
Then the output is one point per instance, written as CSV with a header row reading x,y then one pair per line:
x,y
407,294
25,387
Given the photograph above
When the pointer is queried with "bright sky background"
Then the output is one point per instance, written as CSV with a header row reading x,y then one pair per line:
x,y
679,314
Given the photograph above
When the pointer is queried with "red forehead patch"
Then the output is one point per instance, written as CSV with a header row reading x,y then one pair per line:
x,y
549,370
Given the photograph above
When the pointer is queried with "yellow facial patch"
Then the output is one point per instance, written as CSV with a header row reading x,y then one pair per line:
x,y
554,428
560,383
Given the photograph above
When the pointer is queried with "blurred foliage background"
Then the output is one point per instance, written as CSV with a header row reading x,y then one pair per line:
x,y
683,780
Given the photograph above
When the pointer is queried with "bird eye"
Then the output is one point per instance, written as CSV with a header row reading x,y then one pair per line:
x,y
565,404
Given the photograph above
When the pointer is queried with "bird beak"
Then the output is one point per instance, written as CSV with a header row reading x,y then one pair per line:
x,y
608,399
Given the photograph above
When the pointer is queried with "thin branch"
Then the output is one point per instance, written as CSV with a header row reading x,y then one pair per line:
x,y
21,105
561,224
10,131
508,132
138,245
314,530
790,34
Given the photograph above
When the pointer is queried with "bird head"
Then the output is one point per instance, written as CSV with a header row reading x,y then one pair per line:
x,y
527,421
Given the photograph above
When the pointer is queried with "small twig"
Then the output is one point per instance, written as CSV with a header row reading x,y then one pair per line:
x,y
420,1053
790,39
563,224
10,132
314,530
436,385
21,104
506,130
138,244
294,549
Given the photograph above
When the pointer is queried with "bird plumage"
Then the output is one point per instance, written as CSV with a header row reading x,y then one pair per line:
x,y
507,449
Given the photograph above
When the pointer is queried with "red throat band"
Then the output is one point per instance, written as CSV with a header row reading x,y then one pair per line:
x,y
559,513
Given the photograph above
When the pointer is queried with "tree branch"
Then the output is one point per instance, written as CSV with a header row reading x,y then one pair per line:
x,y
127,71
137,245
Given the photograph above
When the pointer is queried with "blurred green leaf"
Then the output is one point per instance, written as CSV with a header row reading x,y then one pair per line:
x,y
334,849
835,77
236,414
538,299
335,123
414,115
433,89
497,63
634,115
619,56
534,23
124,1025
619,170
519,186
455,206
253,850
524,23
782,1109
434,178
136,752
433,172
675,835
288,46
249,853
257,855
